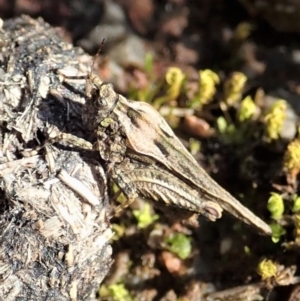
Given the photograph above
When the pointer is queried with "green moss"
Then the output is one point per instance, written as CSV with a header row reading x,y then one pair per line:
x,y
179,244
145,217
115,292
276,206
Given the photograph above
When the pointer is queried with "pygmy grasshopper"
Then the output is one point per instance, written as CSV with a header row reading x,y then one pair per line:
x,y
144,157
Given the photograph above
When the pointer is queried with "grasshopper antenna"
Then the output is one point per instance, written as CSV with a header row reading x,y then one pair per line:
x,y
90,76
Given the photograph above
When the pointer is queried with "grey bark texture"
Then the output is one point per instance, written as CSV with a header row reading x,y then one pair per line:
x,y
53,229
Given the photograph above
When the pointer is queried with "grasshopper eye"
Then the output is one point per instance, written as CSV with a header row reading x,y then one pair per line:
x,y
101,102
106,90
212,211
106,97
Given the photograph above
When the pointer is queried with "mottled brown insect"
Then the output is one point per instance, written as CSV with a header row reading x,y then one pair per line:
x,y
144,157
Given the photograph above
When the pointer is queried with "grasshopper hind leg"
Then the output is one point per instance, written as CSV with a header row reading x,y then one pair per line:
x,y
126,188
118,209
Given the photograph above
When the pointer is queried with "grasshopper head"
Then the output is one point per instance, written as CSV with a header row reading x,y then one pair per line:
x,y
100,102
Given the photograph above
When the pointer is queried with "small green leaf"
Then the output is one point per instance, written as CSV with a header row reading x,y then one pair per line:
x,y
119,231
149,63
247,250
179,244
277,232
274,120
243,30
296,204
233,88
145,217
247,109
276,206
118,292
195,146
222,124
228,132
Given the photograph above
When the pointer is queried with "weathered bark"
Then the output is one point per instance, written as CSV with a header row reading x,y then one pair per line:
x,y
54,238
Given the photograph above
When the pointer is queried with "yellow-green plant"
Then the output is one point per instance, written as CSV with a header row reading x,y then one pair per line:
x,y
119,231
277,232
208,80
291,159
267,269
247,109
145,217
115,292
297,226
174,84
242,31
274,120
194,146
247,250
149,62
179,244
233,88
228,131
175,80
276,205
296,203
